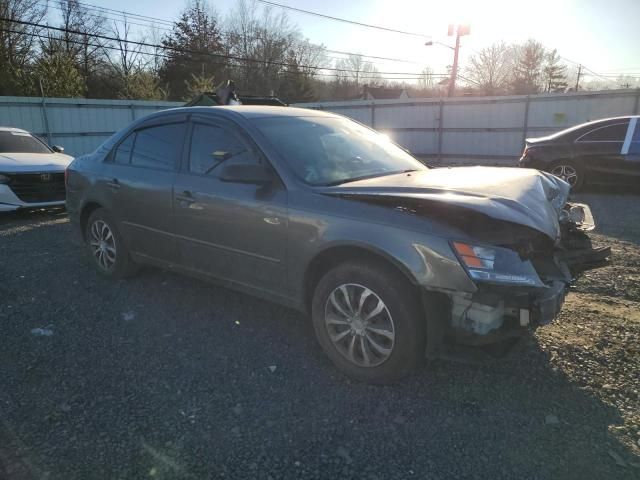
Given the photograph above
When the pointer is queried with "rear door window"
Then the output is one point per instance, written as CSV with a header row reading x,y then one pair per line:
x,y
610,133
158,147
211,146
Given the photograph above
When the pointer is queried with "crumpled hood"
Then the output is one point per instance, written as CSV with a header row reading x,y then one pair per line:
x,y
33,162
519,195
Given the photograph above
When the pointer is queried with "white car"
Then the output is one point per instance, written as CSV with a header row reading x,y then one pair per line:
x,y
31,173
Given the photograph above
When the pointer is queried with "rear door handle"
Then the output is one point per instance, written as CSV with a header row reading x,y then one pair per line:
x,y
115,184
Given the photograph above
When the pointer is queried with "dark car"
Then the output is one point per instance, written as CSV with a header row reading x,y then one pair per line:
x,y
315,211
603,152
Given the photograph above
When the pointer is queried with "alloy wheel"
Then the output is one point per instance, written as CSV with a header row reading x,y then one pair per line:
x,y
567,173
359,325
103,244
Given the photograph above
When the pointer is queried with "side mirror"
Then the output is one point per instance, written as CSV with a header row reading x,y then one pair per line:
x,y
57,149
246,173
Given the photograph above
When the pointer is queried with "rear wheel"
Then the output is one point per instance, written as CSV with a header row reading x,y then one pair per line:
x,y
369,322
106,246
569,172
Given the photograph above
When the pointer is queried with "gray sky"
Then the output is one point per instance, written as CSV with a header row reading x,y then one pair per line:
x,y
603,35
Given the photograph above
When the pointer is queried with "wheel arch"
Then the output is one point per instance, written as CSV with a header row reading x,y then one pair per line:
x,y
87,209
334,255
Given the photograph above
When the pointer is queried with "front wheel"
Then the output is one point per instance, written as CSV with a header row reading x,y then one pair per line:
x,y
368,320
570,172
106,247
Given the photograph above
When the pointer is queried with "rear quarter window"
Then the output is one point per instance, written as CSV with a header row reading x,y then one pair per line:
x,y
609,133
122,153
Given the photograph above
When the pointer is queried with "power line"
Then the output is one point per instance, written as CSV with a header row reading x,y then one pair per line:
x,y
164,55
103,16
400,60
343,20
595,74
215,55
123,12
125,16
362,75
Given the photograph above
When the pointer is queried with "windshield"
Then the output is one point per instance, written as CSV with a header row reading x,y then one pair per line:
x,y
21,142
330,151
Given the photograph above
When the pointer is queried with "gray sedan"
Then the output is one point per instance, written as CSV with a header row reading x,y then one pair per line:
x,y
391,259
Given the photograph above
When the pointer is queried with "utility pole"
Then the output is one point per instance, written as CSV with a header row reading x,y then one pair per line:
x,y
454,68
460,30
578,78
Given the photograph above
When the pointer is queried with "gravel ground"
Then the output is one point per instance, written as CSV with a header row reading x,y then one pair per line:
x,y
168,377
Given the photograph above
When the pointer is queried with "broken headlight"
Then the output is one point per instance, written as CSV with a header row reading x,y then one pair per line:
x,y
496,265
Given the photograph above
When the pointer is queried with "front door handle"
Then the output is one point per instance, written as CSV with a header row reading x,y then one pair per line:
x,y
186,197
115,184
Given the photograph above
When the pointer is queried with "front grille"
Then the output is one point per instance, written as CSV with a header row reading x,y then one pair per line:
x,y
38,187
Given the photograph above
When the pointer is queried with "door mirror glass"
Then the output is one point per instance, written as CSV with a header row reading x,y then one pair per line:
x,y
246,173
57,149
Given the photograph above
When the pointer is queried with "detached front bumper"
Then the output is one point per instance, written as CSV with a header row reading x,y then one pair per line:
x,y
493,314
496,312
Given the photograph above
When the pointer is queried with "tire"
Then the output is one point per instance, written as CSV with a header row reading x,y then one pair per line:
x,y
568,171
106,247
397,345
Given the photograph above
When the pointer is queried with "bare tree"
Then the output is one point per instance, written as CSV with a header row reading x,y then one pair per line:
x,y
309,57
156,52
353,72
272,51
489,70
128,59
426,79
18,42
264,38
81,27
357,70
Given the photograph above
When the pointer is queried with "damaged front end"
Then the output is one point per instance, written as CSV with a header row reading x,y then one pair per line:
x,y
512,230
521,283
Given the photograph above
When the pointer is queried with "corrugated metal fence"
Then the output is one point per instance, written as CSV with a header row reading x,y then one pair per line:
x,y
489,130
78,124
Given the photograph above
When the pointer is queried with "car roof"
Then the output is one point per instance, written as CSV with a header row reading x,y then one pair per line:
x,y
255,111
599,121
12,129
611,119
577,130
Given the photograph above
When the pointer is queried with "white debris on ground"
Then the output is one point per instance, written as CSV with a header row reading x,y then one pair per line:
x,y
128,316
41,332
